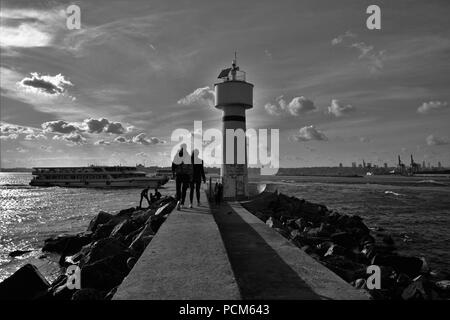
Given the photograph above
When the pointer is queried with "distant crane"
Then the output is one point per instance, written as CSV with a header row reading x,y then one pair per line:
x,y
401,166
414,167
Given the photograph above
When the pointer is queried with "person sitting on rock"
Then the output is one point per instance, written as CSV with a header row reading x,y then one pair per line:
x,y
144,194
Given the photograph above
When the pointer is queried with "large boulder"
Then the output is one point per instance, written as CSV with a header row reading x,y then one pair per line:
x,y
420,289
25,284
101,218
106,273
274,223
104,230
345,267
410,266
344,239
141,241
66,244
102,249
124,228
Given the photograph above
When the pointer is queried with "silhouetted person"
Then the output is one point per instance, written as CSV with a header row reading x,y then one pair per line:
x,y
182,172
157,194
198,175
144,194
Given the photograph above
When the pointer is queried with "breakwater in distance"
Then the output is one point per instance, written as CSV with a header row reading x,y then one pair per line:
x,y
345,245
93,263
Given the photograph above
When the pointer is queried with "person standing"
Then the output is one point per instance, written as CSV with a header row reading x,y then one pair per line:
x,y
182,172
144,195
198,175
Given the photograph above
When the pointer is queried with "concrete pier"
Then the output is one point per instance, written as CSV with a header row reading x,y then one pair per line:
x,y
225,252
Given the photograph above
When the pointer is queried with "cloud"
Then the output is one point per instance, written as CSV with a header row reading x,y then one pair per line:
x,y
296,107
308,133
374,59
364,139
46,148
73,138
59,126
121,139
101,142
339,110
142,139
200,97
341,37
103,125
436,141
432,106
11,136
28,28
45,84
35,136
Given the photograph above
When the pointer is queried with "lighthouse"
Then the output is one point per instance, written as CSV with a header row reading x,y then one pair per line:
x,y
234,95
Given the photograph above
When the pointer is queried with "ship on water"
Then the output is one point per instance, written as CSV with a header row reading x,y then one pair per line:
x,y
94,177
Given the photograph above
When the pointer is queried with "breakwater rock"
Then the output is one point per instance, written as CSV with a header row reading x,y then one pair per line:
x,y
101,257
345,245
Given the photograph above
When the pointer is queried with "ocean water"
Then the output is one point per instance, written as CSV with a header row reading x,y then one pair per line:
x,y
416,211
29,215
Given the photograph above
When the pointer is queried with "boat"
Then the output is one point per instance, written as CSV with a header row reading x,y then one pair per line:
x,y
94,177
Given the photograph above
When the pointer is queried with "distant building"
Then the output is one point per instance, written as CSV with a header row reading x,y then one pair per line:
x,y
424,164
340,165
385,165
360,165
439,165
368,165
353,164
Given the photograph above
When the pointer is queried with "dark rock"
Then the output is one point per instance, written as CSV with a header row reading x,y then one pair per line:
x,y
131,262
443,285
366,240
142,240
419,289
337,250
104,230
283,232
101,218
308,249
62,292
24,284
166,208
66,244
88,294
301,223
132,235
345,268
124,228
111,293
411,266
313,232
360,284
106,273
102,249
343,239
126,212
17,253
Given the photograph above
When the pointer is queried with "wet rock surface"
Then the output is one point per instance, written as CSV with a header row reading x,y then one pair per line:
x,y
103,255
345,245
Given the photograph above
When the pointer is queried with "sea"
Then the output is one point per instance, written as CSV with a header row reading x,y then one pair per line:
x,y
414,210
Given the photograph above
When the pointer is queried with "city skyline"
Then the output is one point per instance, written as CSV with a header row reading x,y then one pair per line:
x,y
113,91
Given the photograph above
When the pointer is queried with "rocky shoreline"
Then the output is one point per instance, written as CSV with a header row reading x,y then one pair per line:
x,y
345,245
103,256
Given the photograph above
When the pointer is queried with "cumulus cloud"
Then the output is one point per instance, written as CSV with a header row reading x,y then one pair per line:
x,y
339,110
121,139
35,136
73,138
21,150
296,107
45,84
59,126
142,139
46,148
142,154
308,133
436,141
364,140
200,97
432,106
103,125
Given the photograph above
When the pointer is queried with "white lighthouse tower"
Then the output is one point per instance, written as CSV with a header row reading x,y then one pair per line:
x,y
233,96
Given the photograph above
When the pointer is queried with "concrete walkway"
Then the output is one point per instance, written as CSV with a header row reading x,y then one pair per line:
x,y
267,266
225,252
186,260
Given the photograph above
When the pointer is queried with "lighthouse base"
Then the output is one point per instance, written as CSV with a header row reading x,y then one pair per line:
x,y
235,182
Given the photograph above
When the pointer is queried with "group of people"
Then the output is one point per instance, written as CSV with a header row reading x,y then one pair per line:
x,y
153,197
188,172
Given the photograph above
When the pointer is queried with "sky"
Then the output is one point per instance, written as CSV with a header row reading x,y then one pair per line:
x,y
113,91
